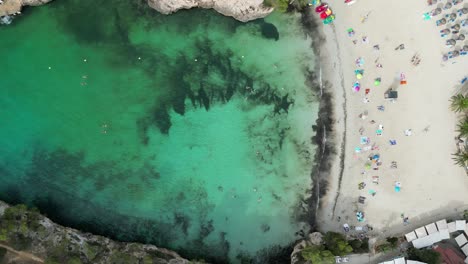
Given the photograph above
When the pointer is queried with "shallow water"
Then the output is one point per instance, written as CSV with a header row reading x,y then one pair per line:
x,y
190,131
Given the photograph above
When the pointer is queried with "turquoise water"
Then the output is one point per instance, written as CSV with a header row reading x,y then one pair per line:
x,y
190,131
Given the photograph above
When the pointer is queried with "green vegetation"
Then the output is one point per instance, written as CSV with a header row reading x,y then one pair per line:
x,y
15,225
390,244
465,215
318,255
360,246
335,244
282,5
3,252
461,157
428,256
459,104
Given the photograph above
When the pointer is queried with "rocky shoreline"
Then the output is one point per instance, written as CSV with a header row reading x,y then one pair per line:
x,y
242,10
26,232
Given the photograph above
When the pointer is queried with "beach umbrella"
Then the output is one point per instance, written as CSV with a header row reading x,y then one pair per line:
x,y
397,186
359,76
445,31
448,5
377,82
455,53
450,42
359,62
461,37
436,11
456,27
357,86
453,16
465,48
442,21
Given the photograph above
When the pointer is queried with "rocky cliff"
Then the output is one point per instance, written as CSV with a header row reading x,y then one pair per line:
x,y
11,7
242,10
28,235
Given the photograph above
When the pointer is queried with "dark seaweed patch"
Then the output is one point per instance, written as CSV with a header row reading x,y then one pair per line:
x,y
269,31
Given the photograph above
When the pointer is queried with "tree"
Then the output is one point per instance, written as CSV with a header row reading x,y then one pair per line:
x,y
360,246
461,158
428,256
337,244
318,255
459,103
465,214
393,241
463,127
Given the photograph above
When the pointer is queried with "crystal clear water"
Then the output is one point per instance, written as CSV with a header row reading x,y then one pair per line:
x,y
191,131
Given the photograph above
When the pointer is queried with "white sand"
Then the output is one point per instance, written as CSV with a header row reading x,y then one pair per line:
x,y
432,185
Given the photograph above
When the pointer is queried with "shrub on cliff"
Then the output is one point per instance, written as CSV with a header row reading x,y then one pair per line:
x,y
337,244
3,251
282,5
360,246
318,255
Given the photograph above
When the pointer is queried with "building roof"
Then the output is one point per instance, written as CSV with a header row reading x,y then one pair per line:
x,y
461,240
460,225
444,234
411,236
422,242
449,254
465,250
442,224
451,227
431,228
414,262
421,232
399,260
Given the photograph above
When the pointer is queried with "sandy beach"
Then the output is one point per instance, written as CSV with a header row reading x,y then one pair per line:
x,y
432,186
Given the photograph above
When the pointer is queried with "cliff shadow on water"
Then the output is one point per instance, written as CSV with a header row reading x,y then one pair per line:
x,y
152,78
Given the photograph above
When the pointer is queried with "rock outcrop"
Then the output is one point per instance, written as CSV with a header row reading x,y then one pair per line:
x,y
242,10
27,233
11,7
315,238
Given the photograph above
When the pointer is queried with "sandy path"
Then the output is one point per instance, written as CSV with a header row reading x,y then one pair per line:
x,y
21,255
430,180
